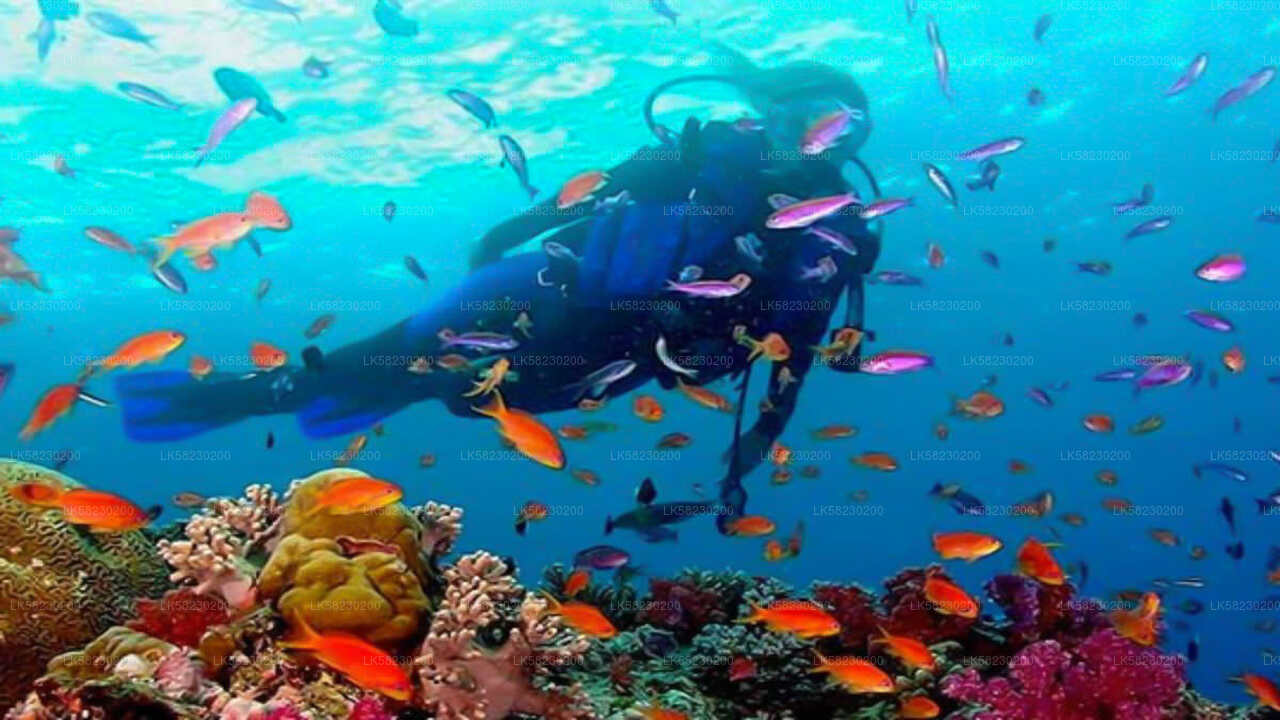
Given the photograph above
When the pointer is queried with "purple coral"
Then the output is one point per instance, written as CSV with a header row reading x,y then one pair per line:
x,y
1036,611
1105,676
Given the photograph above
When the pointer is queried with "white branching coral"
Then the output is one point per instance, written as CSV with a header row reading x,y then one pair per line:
x,y
441,526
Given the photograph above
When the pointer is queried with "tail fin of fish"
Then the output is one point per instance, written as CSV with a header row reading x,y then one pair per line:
x,y
168,245
304,636
496,408
608,524
754,616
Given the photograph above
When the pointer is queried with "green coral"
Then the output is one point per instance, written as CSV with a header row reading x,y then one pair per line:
x,y
99,658
61,587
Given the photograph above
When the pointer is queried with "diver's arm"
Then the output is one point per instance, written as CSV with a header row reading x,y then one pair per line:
x,y
520,229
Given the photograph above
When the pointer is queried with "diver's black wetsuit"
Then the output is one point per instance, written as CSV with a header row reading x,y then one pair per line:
x,y
687,204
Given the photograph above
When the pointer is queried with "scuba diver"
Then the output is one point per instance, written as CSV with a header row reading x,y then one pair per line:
x,y
599,311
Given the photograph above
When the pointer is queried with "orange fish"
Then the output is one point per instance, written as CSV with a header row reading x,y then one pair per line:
x,y
1198,552
781,476
532,511
674,440
1019,467
530,437
918,707
101,512
585,476
1036,506
266,356
910,651
1107,477
357,494
843,344
797,536
581,188
1266,691
773,346
589,405
151,347
835,432
1073,519
797,617
1168,538
774,551
582,617
200,367
855,674
1233,360
875,461
1036,562
577,581
56,402
941,431
493,377
742,668
572,432
751,526
1099,423
1139,624
223,230
427,460
779,454
705,397
365,665
964,545
647,408
949,599
1117,505
935,256
657,713
982,405
352,450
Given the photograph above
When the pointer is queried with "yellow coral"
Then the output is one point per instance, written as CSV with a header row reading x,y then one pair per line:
x,y
59,587
100,657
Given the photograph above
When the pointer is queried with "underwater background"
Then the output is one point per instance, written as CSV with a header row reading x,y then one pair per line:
x,y
567,80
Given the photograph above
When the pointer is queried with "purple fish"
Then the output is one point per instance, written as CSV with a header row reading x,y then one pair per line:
x,y
894,277
477,340
1148,194
1040,397
1150,226
989,172
1116,375
1210,320
835,239
828,130
233,118
1163,374
1223,268
712,288
992,149
601,557
931,30
880,208
1190,75
941,184
894,362
1248,88
513,155
806,212
475,105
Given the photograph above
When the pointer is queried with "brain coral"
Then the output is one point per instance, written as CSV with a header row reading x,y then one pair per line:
x,y
60,587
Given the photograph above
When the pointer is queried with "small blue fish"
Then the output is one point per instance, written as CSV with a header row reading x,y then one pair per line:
x,y
274,6
1040,397
238,86
147,95
389,15
1222,469
475,105
118,27
44,36
513,155
1116,375
1150,226
314,67
661,7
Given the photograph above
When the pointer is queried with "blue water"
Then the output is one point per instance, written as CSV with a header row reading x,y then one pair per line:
x,y
567,80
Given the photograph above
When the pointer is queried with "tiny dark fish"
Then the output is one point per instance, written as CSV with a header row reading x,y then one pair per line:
x,y
1229,514
1150,226
513,155
170,278
1193,649
1040,397
646,493
1042,27
314,67
473,104
319,325
1049,245
1236,550
6,374
1237,425
388,211
414,268
988,174
990,258
1035,97
894,277
188,499
1007,340
990,381
271,439
1222,469
661,7
1213,379
1139,320
61,458
264,286
1190,606
253,244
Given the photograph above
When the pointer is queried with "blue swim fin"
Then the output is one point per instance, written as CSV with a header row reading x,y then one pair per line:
x,y
172,405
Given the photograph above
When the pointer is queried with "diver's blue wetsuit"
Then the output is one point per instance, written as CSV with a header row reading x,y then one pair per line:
x,y
687,205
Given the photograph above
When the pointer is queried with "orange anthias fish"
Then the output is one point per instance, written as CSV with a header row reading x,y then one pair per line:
x,y
843,344
982,405
223,230
855,674
1233,360
573,432
919,707
835,432
910,651
1266,691
875,461
584,618
658,713
647,408
773,346
705,397
149,347
949,599
200,367
965,545
352,495
1099,423
580,188
56,402
775,551
532,511
1036,562
780,454
797,617
101,512
352,450
751,526
1139,624
577,582
365,665
266,356
493,377
530,437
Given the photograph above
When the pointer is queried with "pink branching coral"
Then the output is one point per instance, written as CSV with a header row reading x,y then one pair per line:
x,y
463,681
1106,677
441,526
218,539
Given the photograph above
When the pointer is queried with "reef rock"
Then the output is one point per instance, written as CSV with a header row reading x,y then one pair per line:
x,y
61,587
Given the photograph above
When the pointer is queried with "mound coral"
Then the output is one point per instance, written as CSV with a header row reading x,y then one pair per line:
x,y
60,588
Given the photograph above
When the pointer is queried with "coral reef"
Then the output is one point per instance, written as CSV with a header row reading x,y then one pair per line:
x,y
181,617
59,587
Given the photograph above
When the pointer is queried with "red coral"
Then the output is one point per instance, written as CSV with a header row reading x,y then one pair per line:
x,y
682,607
180,617
855,609
1106,677
286,712
370,708
911,613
